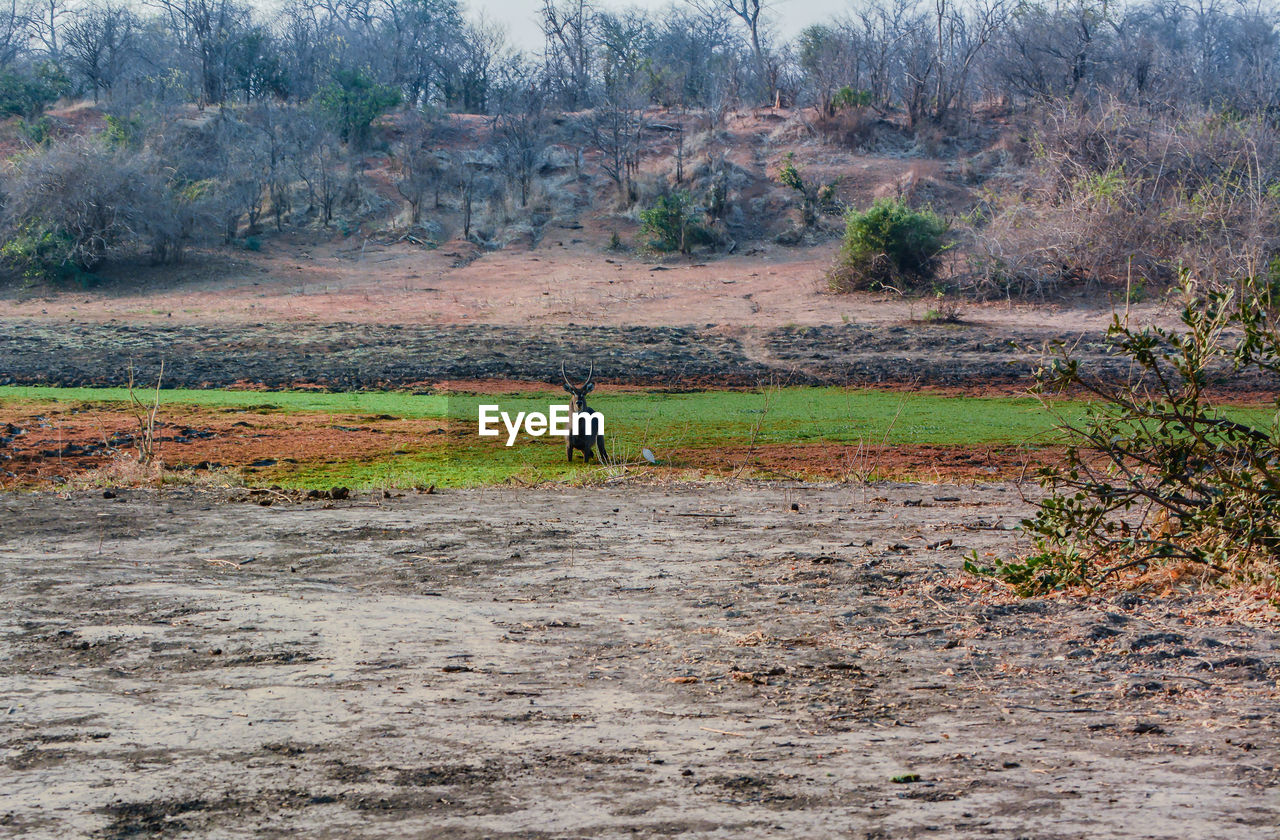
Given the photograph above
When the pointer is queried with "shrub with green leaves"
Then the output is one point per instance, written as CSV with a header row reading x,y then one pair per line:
x,y
39,253
789,175
353,100
847,97
814,197
124,132
671,224
1156,473
26,92
888,245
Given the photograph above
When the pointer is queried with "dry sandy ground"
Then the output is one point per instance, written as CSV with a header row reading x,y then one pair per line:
x,y
629,662
298,278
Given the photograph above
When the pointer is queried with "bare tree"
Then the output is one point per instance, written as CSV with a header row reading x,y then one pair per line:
x,y
624,40
98,44
317,159
483,46
46,18
750,13
15,29
614,128
209,32
569,27
962,34
473,183
418,167
420,45
519,133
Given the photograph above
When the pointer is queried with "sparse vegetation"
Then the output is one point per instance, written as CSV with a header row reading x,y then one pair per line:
x,y
944,310
1085,145
729,421
814,197
144,413
1156,474
1120,199
730,424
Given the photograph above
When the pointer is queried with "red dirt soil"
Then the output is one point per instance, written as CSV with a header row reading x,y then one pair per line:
x,y
927,463
64,442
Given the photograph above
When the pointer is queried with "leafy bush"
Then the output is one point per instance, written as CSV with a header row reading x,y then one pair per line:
x,y
671,225
789,175
814,197
37,132
847,97
945,310
353,101
39,253
1155,473
28,91
888,245
125,132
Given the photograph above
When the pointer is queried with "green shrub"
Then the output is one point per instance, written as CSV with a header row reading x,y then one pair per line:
x,y
847,97
789,175
40,253
353,100
671,225
124,132
814,197
28,91
37,131
888,245
1155,474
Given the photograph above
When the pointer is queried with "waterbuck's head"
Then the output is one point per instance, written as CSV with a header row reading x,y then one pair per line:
x,y
579,392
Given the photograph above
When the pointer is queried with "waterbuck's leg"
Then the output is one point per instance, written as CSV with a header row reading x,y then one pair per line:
x,y
604,456
568,450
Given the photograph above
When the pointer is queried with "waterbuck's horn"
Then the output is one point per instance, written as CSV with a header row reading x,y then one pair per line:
x,y
564,375
590,373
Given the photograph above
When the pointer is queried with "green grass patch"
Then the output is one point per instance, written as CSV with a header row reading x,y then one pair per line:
x,y
666,423
399,403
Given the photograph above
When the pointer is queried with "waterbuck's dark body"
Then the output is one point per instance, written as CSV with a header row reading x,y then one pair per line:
x,y
583,436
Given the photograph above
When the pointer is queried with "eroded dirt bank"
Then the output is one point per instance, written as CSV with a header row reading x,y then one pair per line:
x,y
362,356
602,663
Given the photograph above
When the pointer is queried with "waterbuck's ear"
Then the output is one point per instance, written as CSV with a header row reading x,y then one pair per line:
x,y
568,388
591,386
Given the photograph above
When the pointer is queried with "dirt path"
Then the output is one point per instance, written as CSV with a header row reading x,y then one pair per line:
x,y
632,662
312,279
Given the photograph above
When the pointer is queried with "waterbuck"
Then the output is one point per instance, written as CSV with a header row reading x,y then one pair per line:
x,y
585,433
